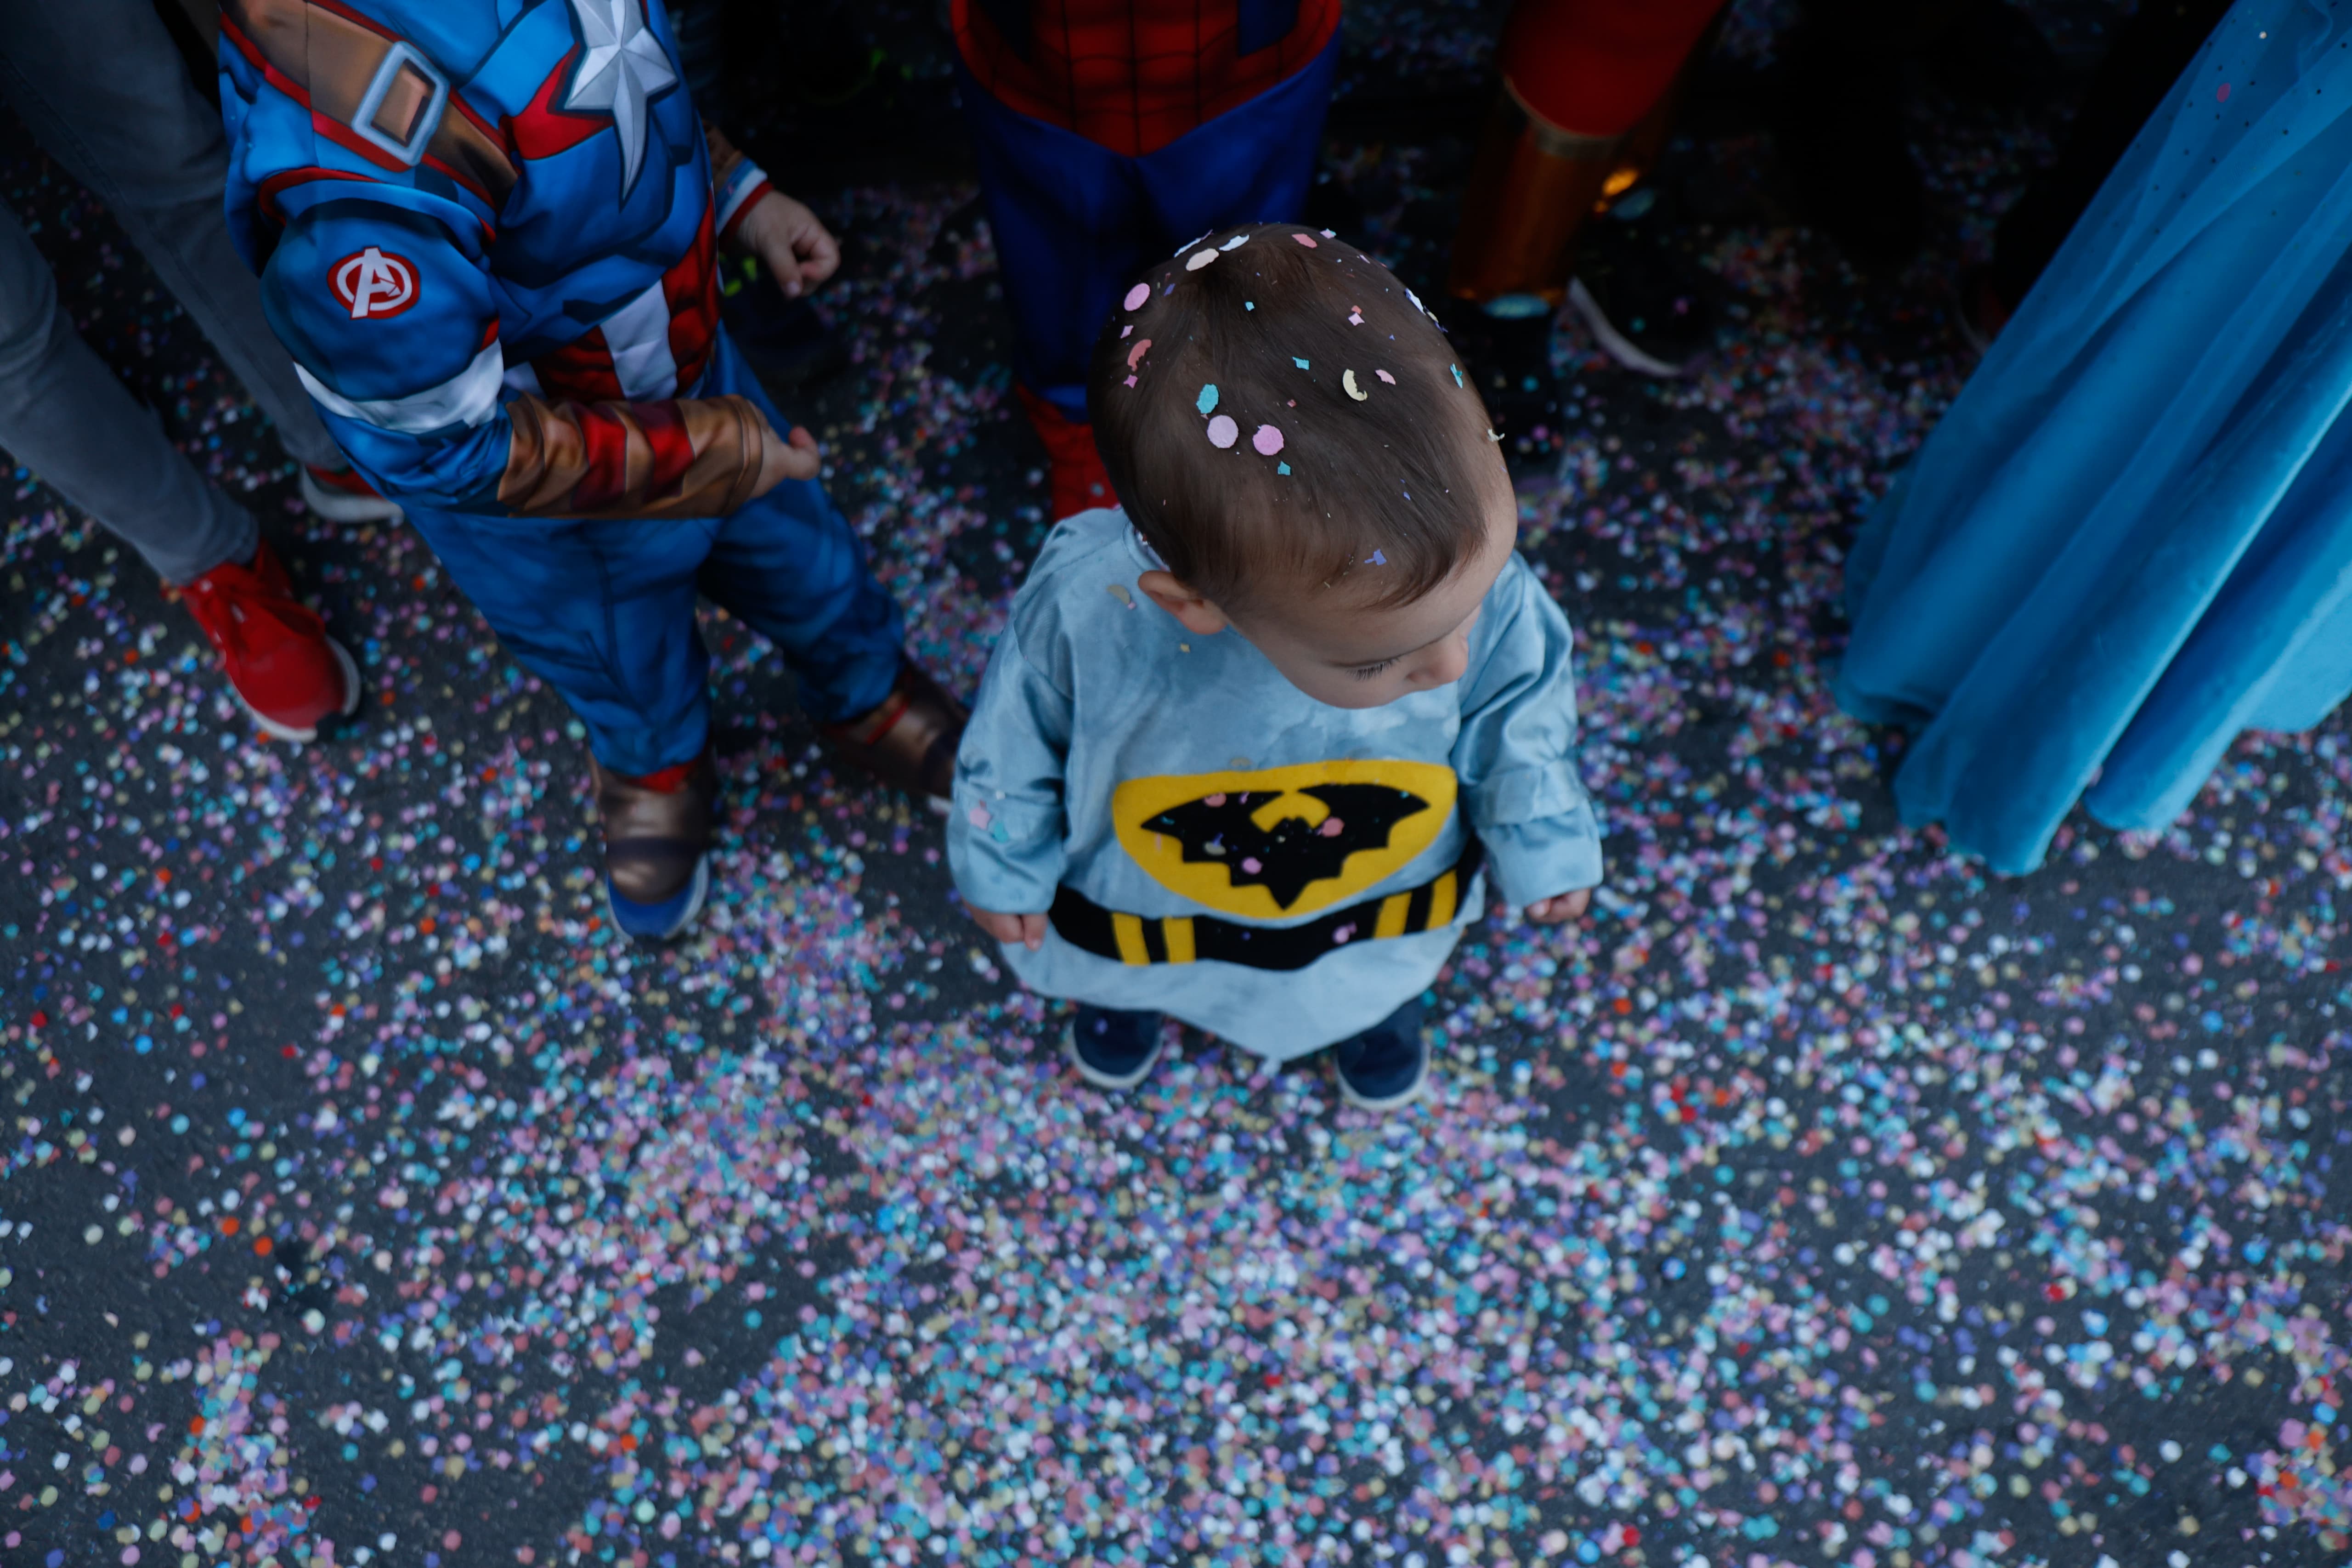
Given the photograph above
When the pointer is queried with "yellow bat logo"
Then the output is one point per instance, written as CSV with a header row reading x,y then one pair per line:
x,y
1282,842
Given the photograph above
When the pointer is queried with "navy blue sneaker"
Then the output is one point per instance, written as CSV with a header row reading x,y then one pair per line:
x,y
1112,1049
1387,1066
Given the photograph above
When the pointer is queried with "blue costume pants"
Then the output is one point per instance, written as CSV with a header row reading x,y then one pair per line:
x,y
1076,223
604,612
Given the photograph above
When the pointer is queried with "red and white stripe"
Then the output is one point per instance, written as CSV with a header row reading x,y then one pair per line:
x,y
655,347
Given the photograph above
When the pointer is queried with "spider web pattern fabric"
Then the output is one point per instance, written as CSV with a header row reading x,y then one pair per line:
x,y
1135,75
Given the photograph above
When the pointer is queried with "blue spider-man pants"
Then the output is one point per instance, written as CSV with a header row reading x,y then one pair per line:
x,y
1076,223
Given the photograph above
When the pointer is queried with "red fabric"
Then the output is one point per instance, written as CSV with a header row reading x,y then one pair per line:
x,y
669,780
607,441
542,129
742,208
1134,75
580,371
673,451
1596,67
690,288
1077,480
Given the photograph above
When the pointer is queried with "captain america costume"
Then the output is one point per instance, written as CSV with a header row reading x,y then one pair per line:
x,y
486,230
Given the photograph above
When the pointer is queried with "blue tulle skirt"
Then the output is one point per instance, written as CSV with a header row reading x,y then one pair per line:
x,y
2131,537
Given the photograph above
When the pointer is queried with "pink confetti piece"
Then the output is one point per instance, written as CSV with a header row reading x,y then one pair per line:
x,y
1129,330
1136,352
1306,240
1332,828
1223,432
1137,295
1385,376
1130,381
1268,440
1355,315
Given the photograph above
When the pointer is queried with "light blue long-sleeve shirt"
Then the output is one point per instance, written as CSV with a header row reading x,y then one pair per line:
x,y
1114,750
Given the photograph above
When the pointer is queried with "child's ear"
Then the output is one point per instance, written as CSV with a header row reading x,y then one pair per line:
x,y
1197,615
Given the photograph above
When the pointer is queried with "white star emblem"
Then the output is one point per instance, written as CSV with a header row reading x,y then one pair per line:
x,y
623,68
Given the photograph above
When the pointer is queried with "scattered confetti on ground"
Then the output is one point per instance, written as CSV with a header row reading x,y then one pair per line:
x,y
365,1200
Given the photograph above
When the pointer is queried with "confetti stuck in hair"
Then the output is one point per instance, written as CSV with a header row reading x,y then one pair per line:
x,y
1130,381
1137,295
1249,304
1223,432
1385,376
1136,352
1299,362
1190,244
1355,315
1457,375
1200,258
1494,435
1207,401
1328,233
1268,440
1306,240
1378,559
1282,467
1235,243
1348,380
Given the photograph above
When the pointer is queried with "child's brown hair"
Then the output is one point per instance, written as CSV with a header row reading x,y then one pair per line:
x,y
1287,412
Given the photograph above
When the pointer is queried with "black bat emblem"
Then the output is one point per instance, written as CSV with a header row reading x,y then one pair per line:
x,y
1285,858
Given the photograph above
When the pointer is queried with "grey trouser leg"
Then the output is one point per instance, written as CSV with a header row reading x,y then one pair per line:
x,y
65,415
102,88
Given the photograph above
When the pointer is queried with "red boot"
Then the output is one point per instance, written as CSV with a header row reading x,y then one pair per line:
x,y
282,665
1079,483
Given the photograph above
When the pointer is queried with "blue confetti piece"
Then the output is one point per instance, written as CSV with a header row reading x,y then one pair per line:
x,y
1282,467
1249,304
1208,398
1377,560
1297,361
1457,373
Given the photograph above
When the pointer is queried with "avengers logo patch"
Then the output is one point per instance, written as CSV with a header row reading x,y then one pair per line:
x,y
373,284
1282,842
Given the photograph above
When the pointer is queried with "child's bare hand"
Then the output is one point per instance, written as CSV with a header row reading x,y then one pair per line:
x,y
782,458
797,250
1029,931
1565,906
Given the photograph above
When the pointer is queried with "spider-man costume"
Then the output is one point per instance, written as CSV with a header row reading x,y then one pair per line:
x,y
485,231
1108,133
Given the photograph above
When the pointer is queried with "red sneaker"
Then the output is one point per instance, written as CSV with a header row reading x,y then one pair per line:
x,y
1079,483
282,665
339,495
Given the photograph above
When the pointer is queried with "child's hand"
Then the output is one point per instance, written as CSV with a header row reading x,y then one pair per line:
x,y
782,458
1029,931
796,249
1565,906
